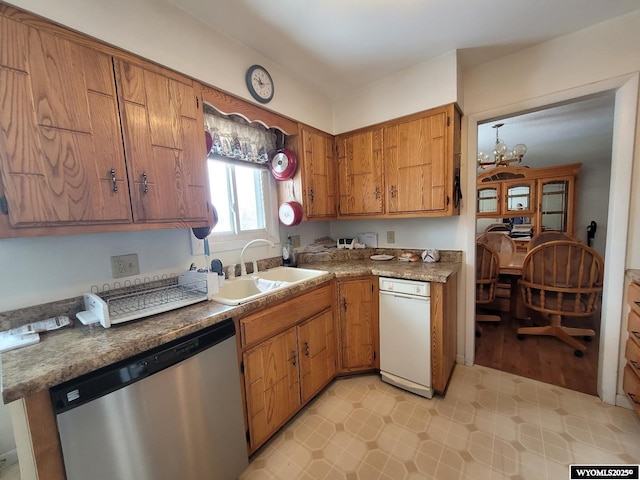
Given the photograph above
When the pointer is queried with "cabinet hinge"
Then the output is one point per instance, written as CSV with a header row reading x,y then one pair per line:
x,y
448,200
197,102
372,288
242,367
248,437
374,354
448,121
4,206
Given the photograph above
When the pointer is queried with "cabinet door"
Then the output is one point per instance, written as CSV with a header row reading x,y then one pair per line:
x,y
416,165
61,153
556,197
519,198
319,174
358,319
488,203
164,140
271,385
317,350
360,173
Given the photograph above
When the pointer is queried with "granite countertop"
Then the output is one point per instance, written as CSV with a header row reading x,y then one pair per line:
x,y
633,274
68,353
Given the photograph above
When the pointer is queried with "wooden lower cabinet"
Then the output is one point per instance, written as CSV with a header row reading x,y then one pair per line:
x,y
358,324
317,353
272,385
284,369
631,379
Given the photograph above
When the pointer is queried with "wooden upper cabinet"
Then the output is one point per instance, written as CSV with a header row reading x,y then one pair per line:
x,y
162,120
314,183
415,165
407,167
360,173
319,174
61,152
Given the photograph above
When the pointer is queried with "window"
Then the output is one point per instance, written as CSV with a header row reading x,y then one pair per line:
x,y
244,195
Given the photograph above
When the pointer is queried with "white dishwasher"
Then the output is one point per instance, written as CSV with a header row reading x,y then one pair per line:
x,y
405,335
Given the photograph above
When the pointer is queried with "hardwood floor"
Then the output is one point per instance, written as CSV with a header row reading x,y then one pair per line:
x,y
542,358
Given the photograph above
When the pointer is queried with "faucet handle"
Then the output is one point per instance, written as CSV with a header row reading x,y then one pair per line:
x,y
255,266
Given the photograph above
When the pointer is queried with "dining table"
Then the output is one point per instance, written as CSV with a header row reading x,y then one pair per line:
x,y
511,267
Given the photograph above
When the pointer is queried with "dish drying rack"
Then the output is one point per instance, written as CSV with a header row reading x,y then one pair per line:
x,y
134,300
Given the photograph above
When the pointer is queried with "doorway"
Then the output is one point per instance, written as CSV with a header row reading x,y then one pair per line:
x,y
579,131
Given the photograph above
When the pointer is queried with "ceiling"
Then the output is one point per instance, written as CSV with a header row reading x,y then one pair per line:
x,y
580,131
339,45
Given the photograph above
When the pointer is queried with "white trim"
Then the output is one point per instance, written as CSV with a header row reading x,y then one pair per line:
x,y
619,203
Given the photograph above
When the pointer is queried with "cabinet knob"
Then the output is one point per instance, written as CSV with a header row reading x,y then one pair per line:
x,y
293,358
306,349
377,193
311,195
114,184
344,304
393,191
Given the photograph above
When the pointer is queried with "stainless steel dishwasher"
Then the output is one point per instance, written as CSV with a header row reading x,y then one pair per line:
x,y
168,413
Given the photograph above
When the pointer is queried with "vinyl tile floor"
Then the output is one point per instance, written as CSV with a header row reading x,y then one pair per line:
x,y
490,425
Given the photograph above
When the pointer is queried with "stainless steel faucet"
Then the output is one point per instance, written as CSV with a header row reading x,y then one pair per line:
x,y
243,268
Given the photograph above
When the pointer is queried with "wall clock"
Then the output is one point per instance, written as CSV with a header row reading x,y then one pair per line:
x,y
259,83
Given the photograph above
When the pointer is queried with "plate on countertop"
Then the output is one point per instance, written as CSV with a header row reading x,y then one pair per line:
x,y
381,257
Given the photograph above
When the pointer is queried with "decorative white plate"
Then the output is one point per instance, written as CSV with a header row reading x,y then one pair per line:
x,y
381,257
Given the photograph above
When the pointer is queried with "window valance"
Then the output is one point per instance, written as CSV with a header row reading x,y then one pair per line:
x,y
235,138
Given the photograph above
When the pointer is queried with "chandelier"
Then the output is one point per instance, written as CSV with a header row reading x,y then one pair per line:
x,y
501,154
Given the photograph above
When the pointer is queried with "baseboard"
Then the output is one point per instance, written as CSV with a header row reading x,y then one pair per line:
x,y
623,401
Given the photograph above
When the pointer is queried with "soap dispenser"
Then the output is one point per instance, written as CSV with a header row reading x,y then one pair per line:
x,y
288,254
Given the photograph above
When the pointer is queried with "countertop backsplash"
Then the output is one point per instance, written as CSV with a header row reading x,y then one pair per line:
x,y
71,306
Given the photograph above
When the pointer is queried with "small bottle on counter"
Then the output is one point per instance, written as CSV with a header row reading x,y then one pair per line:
x,y
289,254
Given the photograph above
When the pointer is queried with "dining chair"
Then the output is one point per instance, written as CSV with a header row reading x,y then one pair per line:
x,y
487,270
549,236
501,243
562,279
498,241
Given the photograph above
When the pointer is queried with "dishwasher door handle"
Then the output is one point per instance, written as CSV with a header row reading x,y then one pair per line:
x,y
387,293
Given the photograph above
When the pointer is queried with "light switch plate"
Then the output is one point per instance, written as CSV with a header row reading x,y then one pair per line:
x,y
124,265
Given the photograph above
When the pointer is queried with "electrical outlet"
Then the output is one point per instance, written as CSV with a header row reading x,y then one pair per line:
x,y
124,265
391,236
295,241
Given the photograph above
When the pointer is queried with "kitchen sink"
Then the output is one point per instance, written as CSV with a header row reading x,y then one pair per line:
x,y
244,289
289,274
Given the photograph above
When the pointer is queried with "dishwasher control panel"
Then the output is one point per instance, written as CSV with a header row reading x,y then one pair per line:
x,y
407,287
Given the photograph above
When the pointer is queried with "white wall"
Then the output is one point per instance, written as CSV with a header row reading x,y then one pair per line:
x,y
412,233
423,86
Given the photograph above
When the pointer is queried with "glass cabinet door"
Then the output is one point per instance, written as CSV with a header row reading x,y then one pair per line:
x,y
554,200
519,198
488,203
